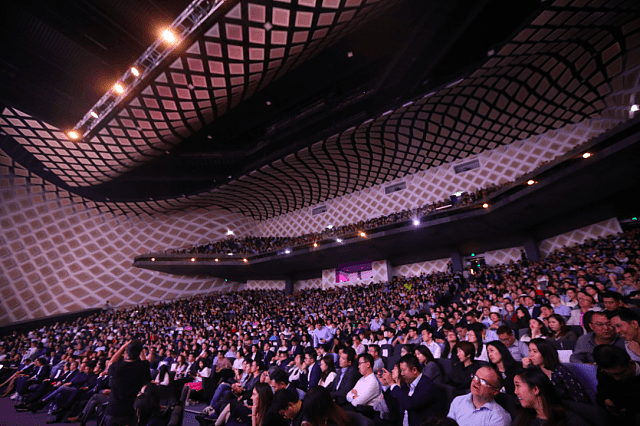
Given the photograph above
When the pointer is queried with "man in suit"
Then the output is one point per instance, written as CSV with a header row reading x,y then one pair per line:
x,y
412,395
529,304
296,348
312,372
40,373
347,379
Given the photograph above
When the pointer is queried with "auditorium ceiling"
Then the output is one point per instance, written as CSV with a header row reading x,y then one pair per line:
x,y
266,107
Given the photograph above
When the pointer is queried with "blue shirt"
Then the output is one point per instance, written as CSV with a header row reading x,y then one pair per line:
x,y
466,414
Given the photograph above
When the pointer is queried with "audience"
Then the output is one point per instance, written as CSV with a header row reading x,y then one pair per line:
x,y
311,337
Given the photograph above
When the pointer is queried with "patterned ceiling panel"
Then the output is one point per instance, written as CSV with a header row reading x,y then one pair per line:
x,y
245,50
570,64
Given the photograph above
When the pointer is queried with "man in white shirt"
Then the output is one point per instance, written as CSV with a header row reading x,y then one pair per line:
x,y
427,340
479,407
367,389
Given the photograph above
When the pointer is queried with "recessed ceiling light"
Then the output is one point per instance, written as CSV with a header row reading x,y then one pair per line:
x,y
531,182
416,222
94,114
119,88
634,108
73,134
169,36
268,103
485,206
339,240
586,155
135,71
350,54
193,259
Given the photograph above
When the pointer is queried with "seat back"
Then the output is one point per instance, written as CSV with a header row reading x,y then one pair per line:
x,y
586,375
508,402
176,416
445,366
592,414
184,396
577,329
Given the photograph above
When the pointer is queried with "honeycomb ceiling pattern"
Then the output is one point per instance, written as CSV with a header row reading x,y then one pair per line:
x,y
243,51
498,166
561,69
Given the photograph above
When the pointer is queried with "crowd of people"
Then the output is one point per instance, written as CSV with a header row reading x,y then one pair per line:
x,y
259,245
461,348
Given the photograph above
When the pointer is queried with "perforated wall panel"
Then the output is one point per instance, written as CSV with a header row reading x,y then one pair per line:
x,y
506,255
416,269
579,236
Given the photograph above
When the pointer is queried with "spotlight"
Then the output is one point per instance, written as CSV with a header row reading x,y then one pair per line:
x,y
73,134
287,251
119,88
168,36
416,222
193,259
634,108
329,226
245,260
229,232
229,254
94,114
153,259
531,182
586,155
362,234
339,240
315,244
485,206
135,71
216,259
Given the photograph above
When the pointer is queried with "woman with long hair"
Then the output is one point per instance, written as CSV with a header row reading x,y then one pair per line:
x,y
449,345
543,355
522,318
319,409
537,330
327,371
430,367
500,357
261,399
474,336
558,329
540,402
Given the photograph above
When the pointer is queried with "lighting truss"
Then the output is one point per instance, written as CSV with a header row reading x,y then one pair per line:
x,y
183,26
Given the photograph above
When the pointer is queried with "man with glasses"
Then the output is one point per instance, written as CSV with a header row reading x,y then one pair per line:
x,y
603,334
479,407
517,349
367,389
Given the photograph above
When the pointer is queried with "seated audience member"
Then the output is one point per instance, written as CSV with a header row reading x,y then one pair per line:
x,y
450,344
378,363
559,308
558,329
540,402
288,405
426,334
612,301
347,378
367,388
39,373
543,355
463,371
479,408
410,393
618,388
517,348
311,372
537,329
474,336
627,325
522,318
24,370
501,359
587,303
603,334
430,367
327,371
318,409
147,410
278,379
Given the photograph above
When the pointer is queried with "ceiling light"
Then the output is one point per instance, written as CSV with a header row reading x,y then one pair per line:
x,y
268,103
416,222
586,155
216,259
245,260
363,234
73,134
193,259
229,232
119,88
94,114
153,259
339,240
315,244
168,36
531,182
634,108
329,226
350,54
135,71
485,206
229,254
287,251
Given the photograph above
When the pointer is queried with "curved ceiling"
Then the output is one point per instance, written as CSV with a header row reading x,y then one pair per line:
x,y
556,70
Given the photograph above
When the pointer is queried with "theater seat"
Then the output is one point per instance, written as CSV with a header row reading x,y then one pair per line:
x,y
508,402
445,366
592,414
586,374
